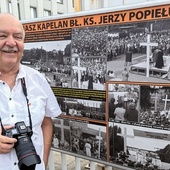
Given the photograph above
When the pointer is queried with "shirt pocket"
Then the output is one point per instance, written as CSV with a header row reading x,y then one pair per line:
x,y
37,110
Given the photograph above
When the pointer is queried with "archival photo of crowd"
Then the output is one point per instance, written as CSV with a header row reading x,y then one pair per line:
x,y
82,109
89,57
155,106
144,104
139,51
52,59
80,137
124,102
89,139
138,147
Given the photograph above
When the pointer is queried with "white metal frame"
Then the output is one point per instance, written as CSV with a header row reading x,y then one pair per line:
x,y
93,161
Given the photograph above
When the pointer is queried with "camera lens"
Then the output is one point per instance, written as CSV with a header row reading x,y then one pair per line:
x,y
26,153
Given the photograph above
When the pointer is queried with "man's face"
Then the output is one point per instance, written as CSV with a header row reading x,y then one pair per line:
x,y
11,42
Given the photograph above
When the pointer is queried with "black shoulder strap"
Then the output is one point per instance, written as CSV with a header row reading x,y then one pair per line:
x,y
24,88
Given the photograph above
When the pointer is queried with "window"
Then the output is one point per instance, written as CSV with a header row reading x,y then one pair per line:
x,y
10,7
33,12
59,13
60,1
73,3
19,14
47,13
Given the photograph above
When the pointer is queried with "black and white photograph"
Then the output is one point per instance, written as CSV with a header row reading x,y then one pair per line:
x,y
79,108
52,59
61,134
155,105
89,57
124,102
145,104
139,51
138,147
88,139
80,137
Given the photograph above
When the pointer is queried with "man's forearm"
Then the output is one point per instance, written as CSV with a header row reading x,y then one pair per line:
x,y
47,128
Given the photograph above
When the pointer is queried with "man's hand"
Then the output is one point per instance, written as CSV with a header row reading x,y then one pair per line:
x,y
6,143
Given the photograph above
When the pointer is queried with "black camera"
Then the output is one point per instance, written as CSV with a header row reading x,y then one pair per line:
x,y
24,147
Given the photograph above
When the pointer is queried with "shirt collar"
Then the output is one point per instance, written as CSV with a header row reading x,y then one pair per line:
x,y
21,72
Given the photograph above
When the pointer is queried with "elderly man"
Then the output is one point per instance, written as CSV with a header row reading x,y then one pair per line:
x,y
15,104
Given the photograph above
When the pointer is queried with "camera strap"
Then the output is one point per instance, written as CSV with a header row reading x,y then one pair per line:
x,y
24,89
3,132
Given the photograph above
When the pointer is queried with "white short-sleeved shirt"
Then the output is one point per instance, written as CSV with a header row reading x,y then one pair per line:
x,y
13,108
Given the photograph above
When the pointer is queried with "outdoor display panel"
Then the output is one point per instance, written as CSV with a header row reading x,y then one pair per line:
x,y
88,58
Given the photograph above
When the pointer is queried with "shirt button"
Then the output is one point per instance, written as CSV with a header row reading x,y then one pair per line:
x,y
10,98
12,115
15,163
3,82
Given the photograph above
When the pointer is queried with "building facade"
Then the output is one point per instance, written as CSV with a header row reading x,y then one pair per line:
x,y
27,9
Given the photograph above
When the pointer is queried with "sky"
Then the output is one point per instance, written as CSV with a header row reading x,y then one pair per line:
x,y
48,46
